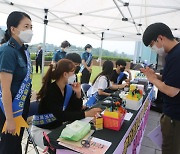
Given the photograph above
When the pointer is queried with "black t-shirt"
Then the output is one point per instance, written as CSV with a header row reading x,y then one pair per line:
x,y
53,103
171,77
115,76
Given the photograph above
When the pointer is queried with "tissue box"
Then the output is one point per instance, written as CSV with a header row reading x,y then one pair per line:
x,y
133,104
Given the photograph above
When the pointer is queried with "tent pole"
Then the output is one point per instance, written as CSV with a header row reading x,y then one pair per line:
x,y
100,53
44,40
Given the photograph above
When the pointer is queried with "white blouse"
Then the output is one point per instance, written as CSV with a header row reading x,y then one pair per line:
x,y
101,83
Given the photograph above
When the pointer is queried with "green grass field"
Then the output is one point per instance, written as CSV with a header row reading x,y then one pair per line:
x,y
36,81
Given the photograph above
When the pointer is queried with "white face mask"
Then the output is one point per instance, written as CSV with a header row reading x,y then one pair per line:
x,y
71,79
89,50
26,36
66,49
159,51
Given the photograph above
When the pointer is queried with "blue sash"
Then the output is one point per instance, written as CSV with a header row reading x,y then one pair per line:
x,y
49,117
87,62
19,100
120,77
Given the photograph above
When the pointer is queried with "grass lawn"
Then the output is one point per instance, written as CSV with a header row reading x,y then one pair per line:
x,y
36,81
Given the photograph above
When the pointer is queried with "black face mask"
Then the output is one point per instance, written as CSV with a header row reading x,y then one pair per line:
x,y
122,69
77,69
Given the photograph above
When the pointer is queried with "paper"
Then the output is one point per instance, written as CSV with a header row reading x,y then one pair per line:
x,y
128,116
97,146
156,136
100,141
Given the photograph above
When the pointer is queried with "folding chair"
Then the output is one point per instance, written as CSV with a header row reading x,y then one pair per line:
x,y
33,110
85,87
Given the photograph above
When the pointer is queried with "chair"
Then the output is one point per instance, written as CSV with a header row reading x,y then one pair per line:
x,y
33,110
85,87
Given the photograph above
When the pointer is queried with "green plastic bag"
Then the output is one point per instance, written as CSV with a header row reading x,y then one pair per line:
x,y
75,131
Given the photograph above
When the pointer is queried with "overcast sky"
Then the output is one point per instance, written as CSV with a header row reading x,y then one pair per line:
x,y
56,36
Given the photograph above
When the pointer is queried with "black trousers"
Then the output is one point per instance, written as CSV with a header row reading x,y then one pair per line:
x,y
38,64
85,76
171,135
10,144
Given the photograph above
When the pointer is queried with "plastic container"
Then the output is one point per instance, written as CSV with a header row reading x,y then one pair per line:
x,y
133,105
113,123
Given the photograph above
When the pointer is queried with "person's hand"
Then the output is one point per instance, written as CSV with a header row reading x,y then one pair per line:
x,y
122,85
77,89
93,112
10,126
149,73
89,69
127,84
84,107
128,70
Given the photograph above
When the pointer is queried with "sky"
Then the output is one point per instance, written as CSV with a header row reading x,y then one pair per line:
x,y
56,36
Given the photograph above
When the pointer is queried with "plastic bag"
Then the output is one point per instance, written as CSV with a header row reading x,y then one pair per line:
x,y
75,131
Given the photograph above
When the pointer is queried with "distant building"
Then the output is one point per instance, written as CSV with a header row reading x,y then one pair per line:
x,y
143,53
1,33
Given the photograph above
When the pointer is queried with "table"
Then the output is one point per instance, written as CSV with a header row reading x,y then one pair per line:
x,y
128,139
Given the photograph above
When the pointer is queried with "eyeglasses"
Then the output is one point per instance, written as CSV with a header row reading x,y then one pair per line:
x,y
151,44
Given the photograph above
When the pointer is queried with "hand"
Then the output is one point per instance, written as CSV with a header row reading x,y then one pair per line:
x,y
89,69
122,85
77,89
128,70
149,73
10,126
84,107
127,84
92,112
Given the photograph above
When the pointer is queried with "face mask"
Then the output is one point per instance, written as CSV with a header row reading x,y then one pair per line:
x,y
71,79
77,69
122,69
88,50
159,51
25,36
66,49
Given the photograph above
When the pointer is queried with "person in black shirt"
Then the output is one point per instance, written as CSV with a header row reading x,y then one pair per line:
x,y
118,75
60,54
76,59
39,59
159,37
52,95
86,67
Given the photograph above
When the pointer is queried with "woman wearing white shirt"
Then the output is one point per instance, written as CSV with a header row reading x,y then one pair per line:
x,y
101,84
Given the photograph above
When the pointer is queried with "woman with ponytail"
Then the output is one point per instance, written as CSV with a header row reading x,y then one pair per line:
x,y
15,82
54,105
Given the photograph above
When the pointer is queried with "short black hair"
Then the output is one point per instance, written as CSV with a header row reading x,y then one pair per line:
x,y
65,44
152,31
88,46
120,62
74,57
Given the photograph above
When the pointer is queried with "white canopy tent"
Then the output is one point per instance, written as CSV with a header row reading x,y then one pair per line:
x,y
114,20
